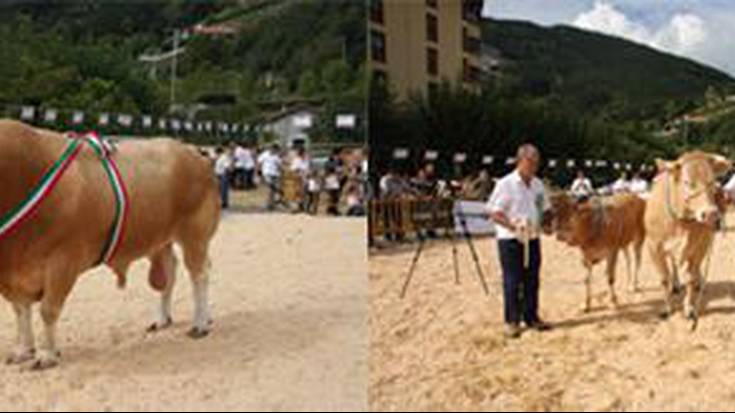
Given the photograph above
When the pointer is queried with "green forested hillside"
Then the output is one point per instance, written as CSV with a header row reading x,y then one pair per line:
x,y
85,55
598,75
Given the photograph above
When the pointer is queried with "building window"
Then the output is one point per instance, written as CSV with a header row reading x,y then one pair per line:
x,y
376,11
470,44
432,61
431,3
472,10
377,45
432,28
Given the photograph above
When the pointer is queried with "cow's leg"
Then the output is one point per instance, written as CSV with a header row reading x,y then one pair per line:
x,y
198,265
588,287
56,291
693,286
629,269
676,286
612,261
660,261
638,252
163,266
25,347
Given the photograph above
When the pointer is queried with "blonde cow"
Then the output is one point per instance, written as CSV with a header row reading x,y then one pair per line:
x,y
69,204
681,220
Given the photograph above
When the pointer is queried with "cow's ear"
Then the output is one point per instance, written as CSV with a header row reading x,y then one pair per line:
x,y
668,166
720,165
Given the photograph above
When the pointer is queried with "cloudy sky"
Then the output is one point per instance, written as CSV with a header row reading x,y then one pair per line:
x,y
703,30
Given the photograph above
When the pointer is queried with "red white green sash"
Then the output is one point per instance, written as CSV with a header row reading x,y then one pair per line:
x,y
13,219
103,150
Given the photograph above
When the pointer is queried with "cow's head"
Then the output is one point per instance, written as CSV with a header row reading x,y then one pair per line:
x,y
564,209
694,193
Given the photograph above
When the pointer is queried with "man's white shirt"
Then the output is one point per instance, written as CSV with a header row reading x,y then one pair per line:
x,y
222,165
270,164
244,158
518,201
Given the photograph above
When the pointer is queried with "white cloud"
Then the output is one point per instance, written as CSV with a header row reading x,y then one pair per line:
x,y
702,30
681,34
605,18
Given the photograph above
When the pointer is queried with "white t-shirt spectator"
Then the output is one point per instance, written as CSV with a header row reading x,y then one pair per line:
x,y
639,187
331,183
582,187
223,164
621,185
301,166
244,158
518,201
314,184
270,164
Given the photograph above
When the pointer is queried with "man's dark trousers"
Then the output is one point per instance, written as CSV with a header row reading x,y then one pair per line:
x,y
520,285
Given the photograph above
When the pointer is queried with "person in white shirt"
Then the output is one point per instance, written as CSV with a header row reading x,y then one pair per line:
x,y
333,187
582,188
300,166
244,167
313,192
639,186
519,205
622,185
270,164
222,168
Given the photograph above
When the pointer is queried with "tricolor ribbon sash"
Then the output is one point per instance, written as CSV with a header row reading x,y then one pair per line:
x,y
13,219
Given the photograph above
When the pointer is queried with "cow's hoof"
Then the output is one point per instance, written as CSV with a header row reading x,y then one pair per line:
x,y
664,315
45,361
160,325
197,333
20,356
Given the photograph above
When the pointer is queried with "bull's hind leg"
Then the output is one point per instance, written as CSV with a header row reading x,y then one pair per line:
x,y
24,349
163,278
612,262
629,269
588,288
198,265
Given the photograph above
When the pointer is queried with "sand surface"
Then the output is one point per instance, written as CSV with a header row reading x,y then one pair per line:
x,y
289,304
442,347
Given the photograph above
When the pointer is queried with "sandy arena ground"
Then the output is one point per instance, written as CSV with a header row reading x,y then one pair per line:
x,y
289,305
442,348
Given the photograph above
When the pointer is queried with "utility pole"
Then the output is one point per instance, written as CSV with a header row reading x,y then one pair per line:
x,y
174,61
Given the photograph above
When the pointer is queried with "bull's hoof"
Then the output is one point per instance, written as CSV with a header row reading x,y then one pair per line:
x,y
20,356
664,315
198,333
45,361
160,325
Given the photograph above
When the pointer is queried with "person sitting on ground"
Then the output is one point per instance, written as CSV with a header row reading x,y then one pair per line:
x,y
354,199
622,185
582,188
639,186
